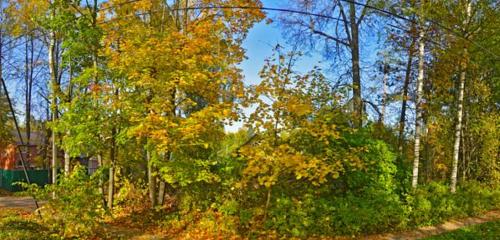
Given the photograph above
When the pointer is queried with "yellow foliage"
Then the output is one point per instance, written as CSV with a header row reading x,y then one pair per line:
x,y
181,67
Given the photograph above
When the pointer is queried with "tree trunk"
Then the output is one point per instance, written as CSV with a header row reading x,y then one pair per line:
x,y
384,93
28,89
66,163
161,193
101,182
112,158
111,185
53,103
402,118
151,180
356,75
458,128
418,103
460,108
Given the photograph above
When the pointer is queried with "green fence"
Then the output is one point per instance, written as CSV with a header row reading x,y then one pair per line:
x,y
8,177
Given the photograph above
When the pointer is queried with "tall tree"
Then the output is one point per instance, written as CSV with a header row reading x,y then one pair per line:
x,y
336,37
460,98
418,101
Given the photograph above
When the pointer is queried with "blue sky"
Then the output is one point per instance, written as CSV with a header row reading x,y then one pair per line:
x,y
260,42
262,38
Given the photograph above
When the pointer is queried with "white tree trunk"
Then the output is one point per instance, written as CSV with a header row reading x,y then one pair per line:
x,y
111,185
66,163
460,109
458,128
53,79
418,103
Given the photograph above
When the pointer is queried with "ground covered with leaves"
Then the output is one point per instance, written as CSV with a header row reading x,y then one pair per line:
x,y
18,224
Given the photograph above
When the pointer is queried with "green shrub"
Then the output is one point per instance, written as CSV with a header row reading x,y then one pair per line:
x,y
433,203
473,198
77,209
290,216
368,213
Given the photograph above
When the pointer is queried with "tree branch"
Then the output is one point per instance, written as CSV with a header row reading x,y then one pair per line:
x,y
363,13
329,37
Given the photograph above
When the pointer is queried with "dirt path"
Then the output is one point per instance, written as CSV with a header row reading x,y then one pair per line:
x,y
17,202
438,229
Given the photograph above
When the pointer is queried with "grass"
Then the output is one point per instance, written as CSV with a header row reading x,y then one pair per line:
x,y
490,230
18,224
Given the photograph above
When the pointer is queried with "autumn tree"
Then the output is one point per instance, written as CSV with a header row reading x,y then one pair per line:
x,y
176,71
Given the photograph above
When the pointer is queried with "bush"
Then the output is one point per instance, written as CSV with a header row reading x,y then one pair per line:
x,y
474,198
369,196
369,213
77,209
433,203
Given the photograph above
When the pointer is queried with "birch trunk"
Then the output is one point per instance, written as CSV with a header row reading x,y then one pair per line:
x,y
418,103
161,193
53,103
66,163
458,128
28,67
111,183
460,109
112,158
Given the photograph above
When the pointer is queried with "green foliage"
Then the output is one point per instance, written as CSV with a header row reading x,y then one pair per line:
x,y
486,231
368,213
76,210
366,198
362,200
433,203
377,160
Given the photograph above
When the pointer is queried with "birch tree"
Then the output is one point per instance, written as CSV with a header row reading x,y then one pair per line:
x,y
418,101
460,101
